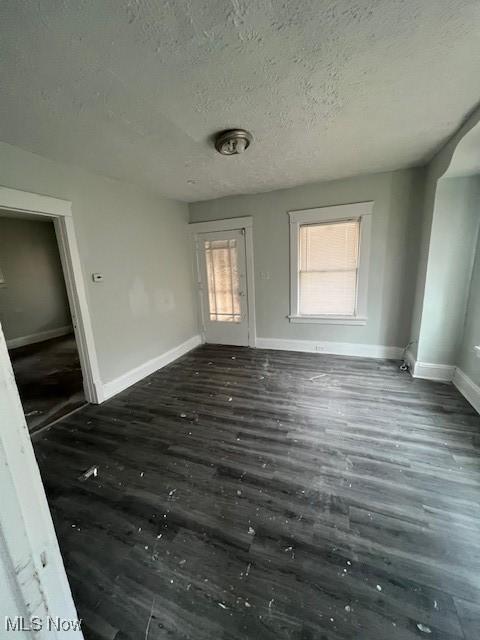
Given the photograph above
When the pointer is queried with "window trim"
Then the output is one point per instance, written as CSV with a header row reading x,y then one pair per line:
x,y
361,211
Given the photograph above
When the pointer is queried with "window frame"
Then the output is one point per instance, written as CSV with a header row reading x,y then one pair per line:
x,y
360,211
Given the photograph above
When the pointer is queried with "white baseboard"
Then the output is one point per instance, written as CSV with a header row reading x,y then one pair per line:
x,y
467,388
334,348
433,371
142,371
445,373
429,370
38,337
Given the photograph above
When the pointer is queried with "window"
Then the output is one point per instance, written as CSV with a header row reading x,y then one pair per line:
x,y
223,280
329,264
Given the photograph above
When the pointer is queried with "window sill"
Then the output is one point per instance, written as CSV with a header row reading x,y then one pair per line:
x,y
348,320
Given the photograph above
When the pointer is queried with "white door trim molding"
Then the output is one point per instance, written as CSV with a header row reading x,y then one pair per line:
x,y
25,201
61,213
28,538
333,348
229,224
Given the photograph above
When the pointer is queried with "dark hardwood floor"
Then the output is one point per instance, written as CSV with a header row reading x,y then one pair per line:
x,y
49,379
252,494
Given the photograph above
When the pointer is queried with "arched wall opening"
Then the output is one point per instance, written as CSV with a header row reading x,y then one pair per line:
x,y
446,317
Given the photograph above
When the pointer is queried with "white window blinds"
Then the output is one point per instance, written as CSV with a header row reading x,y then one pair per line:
x,y
328,263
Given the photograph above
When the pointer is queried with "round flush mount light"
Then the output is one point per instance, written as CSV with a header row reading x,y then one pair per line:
x,y
232,141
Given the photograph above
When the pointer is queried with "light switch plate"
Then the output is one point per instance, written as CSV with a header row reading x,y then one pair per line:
x,y
97,277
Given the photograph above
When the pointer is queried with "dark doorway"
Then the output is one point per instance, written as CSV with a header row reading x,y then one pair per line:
x,y
36,320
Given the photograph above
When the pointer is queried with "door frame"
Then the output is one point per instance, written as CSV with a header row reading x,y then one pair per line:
x,y
244,224
60,211
37,584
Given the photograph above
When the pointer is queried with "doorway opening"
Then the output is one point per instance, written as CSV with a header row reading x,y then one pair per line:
x,y
36,319
25,205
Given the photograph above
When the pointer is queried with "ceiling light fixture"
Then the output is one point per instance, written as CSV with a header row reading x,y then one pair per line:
x,y
232,141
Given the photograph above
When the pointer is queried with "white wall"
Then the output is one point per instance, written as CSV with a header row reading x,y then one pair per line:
x,y
139,241
396,222
33,299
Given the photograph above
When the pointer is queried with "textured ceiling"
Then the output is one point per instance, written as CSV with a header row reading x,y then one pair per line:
x,y
133,89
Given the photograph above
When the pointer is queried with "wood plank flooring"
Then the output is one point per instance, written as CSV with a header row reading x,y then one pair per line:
x,y
253,494
49,379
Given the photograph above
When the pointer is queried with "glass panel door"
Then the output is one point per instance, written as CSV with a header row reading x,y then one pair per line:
x,y
223,280
221,258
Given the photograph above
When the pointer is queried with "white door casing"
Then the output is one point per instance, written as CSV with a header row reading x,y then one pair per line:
x,y
37,585
60,211
37,582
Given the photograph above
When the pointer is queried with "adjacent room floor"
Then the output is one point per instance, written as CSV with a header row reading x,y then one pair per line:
x,y
49,379
270,495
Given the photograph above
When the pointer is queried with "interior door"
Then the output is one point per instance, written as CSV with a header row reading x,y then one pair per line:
x,y
223,283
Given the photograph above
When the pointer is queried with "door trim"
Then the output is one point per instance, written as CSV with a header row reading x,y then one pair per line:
x,y
229,224
28,540
61,213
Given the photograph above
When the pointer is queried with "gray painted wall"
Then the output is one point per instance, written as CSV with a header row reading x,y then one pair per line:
x,y
453,236
467,361
139,241
33,298
398,200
